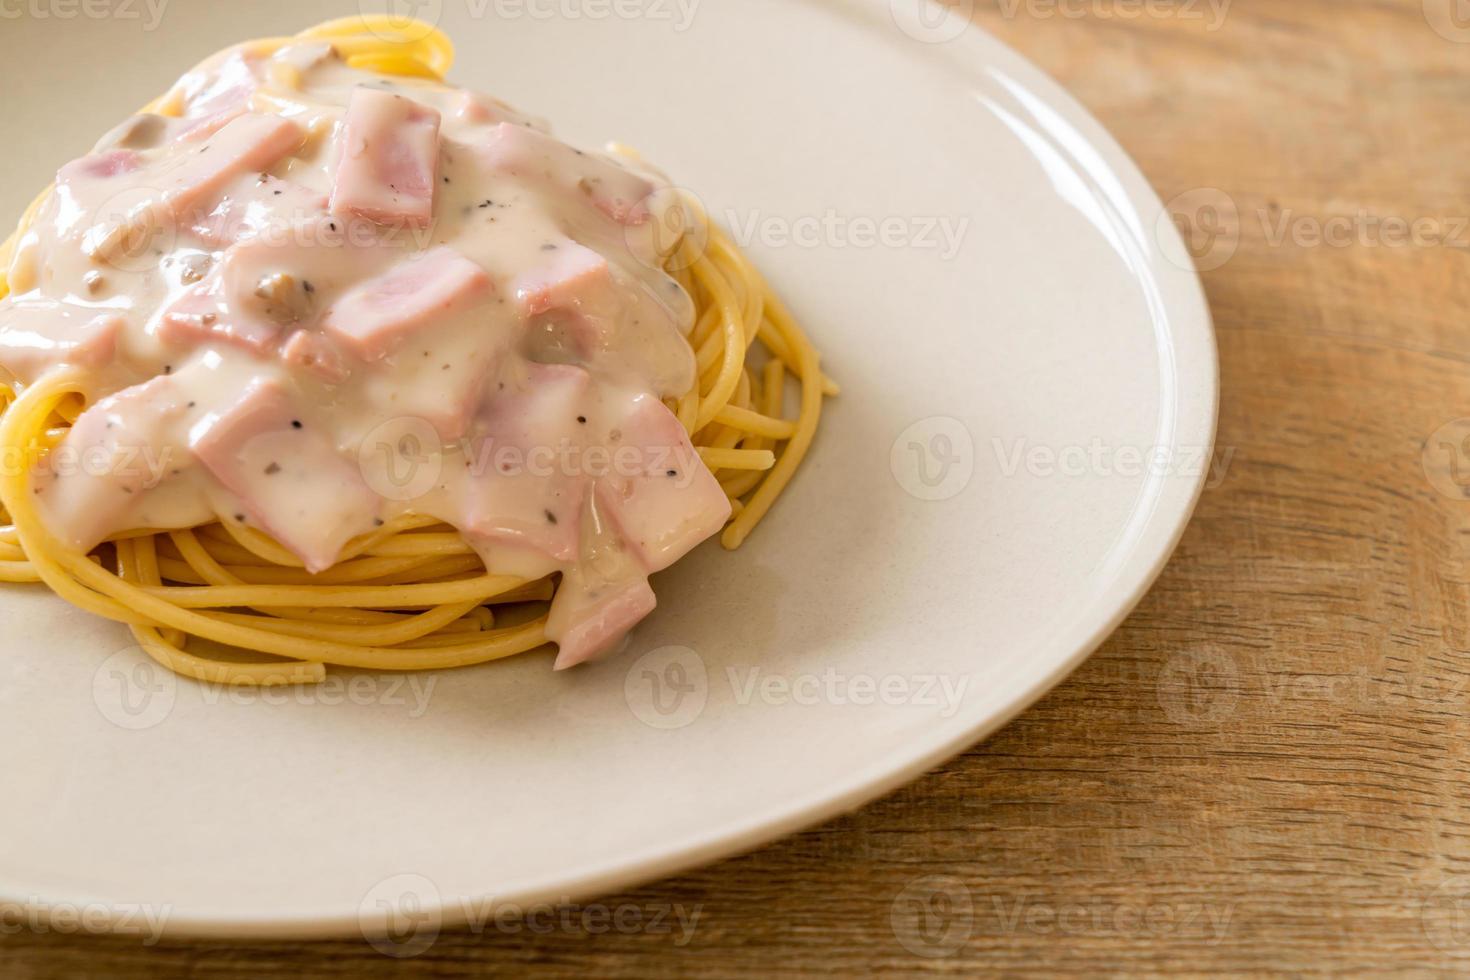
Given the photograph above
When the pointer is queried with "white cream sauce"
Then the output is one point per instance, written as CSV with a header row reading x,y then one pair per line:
x,y
322,297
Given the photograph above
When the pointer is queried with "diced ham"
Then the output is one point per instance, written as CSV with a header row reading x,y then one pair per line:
x,y
669,501
441,376
571,299
226,96
315,354
449,401
251,296
112,453
213,310
185,182
472,107
249,142
572,277
588,624
390,153
305,55
289,478
99,166
35,337
112,215
527,479
252,203
521,151
371,318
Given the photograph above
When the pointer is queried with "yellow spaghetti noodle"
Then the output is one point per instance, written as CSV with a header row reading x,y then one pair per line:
x,y
412,595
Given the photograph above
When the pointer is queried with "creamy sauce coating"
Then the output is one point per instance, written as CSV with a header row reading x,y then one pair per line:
x,y
320,298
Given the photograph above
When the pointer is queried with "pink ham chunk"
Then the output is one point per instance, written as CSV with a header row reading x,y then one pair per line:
x,y
255,293
521,151
114,214
590,623
315,354
35,337
390,154
214,311
100,166
572,277
477,109
213,101
289,478
252,203
527,479
115,451
571,300
191,179
371,318
672,501
248,143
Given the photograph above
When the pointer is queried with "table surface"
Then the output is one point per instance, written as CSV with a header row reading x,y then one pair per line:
x,y
1266,767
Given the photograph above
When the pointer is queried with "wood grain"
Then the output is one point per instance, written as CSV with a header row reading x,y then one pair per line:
x,y
1266,769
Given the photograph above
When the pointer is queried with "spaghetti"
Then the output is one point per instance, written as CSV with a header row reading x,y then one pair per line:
x,y
412,594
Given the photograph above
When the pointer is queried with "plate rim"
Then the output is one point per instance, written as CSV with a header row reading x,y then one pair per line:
x,y
917,756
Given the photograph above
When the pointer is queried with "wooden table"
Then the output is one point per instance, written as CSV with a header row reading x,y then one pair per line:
x,y
1268,766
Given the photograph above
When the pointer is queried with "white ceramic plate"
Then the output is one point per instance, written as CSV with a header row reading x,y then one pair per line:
x,y
979,512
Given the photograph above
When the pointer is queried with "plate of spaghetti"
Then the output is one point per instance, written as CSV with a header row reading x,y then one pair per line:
x,y
412,510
